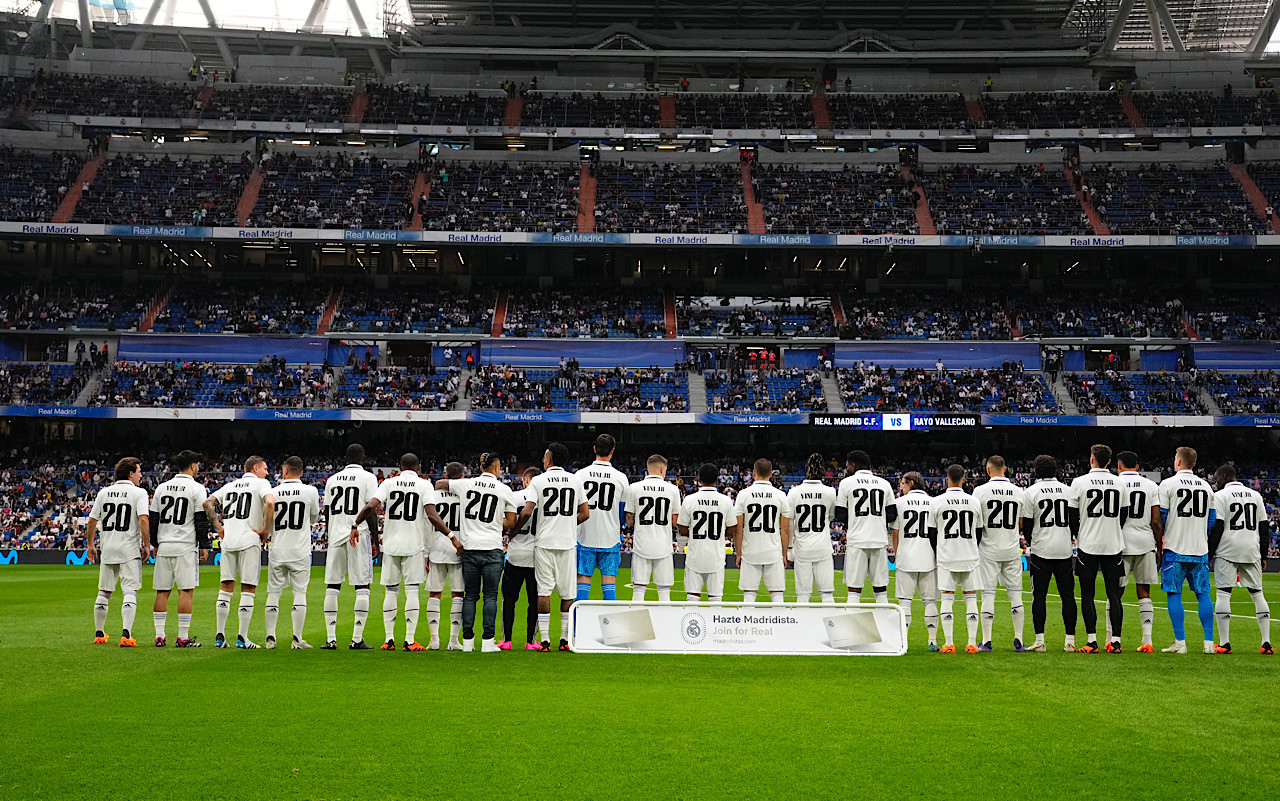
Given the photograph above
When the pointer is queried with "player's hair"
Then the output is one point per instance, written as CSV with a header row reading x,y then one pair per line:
x,y
487,459
184,459
410,461
763,468
1045,466
605,443
355,453
293,464
955,474
559,454
1224,475
252,462
1188,456
815,467
1101,454
656,460
859,459
996,463
914,479
532,472
1127,459
454,470
708,474
126,466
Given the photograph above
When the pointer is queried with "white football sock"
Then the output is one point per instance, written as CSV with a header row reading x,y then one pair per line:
x,y
664,594
331,614
855,596
433,618
544,625
565,625
748,596
1263,612
971,615
389,601
299,616
159,618
411,601
246,613
184,625
948,608
100,613
1069,641
455,619
223,611
1223,610
362,613
931,620
128,609
637,593
715,599
775,597
1147,615
270,614
905,606
1018,613
988,614
882,596
827,597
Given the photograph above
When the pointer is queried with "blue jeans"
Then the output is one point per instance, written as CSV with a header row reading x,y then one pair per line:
x,y
480,569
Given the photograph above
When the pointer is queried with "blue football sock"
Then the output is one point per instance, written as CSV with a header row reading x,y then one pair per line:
x,y
584,590
610,592
1177,615
1205,605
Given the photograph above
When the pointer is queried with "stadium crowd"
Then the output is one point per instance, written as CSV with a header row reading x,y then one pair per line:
x,y
1007,389
502,196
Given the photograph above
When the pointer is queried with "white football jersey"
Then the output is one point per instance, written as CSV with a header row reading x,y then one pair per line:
x,y
173,514
404,500
118,508
297,510
485,504
556,495
813,507
1189,503
1098,495
440,548
1048,506
345,494
243,504
520,546
1140,496
1001,502
1242,512
956,517
655,502
915,552
761,508
708,515
605,487
868,499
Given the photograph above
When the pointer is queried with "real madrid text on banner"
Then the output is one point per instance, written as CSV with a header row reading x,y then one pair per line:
x,y
655,627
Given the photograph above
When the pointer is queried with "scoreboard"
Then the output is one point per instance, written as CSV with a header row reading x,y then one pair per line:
x,y
898,421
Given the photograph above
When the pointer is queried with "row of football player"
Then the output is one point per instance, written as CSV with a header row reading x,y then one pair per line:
x,y
1115,524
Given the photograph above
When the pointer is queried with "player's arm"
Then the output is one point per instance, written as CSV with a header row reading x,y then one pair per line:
x,y
584,512
933,531
369,516
268,517
1028,526
1157,526
525,514
210,507
437,521
90,531
737,538
144,528
1264,535
786,534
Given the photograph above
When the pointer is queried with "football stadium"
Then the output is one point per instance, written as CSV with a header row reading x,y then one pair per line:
x,y
745,399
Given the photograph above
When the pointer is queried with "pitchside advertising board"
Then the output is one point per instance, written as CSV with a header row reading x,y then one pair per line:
x,y
655,627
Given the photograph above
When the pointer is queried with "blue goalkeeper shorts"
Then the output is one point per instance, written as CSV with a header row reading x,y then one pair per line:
x,y
1176,571
608,560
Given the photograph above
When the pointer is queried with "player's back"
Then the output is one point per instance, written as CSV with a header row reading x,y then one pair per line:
x,y
655,502
242,502
761,508
404,521
297,509
813,506
1243,513
556,495
1139,497
604,487
440,549
1098,495
485,503
867,497
520,546
117,508
1189,502
956,517
1049,509
915,552
708,515
345,494
1000,502
173,511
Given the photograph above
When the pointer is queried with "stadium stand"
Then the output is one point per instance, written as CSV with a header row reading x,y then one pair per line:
x,y
52,306
1110,314
33,184
404,104
584,314
1256,392
397,388
571,388
282,103
1243,317
268,384
113,96
503,196
135,189
336,191
1054,110
614,110
847,200
1208,109
1009,389
1023,199
1112,392
897,111
669,198
236,310
744,110
1168,199
44,384
709,316
426,310
785,390
923,315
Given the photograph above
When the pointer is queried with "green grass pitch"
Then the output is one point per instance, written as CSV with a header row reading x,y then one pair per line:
x,y
100,722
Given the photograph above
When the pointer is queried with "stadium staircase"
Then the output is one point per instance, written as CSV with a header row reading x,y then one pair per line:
x,y
92,386
669,313
667,111
924,215
157,306
203,99
697,393
755,211
837,309
515,109
587,201
249,198
976,112
1015,330
421,186
331,390
1251,190
1205,397
1062,396
359,104
330,310
499,313
71,199
822,116
831,391
1074,179
1190,328
464,404
1131,111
